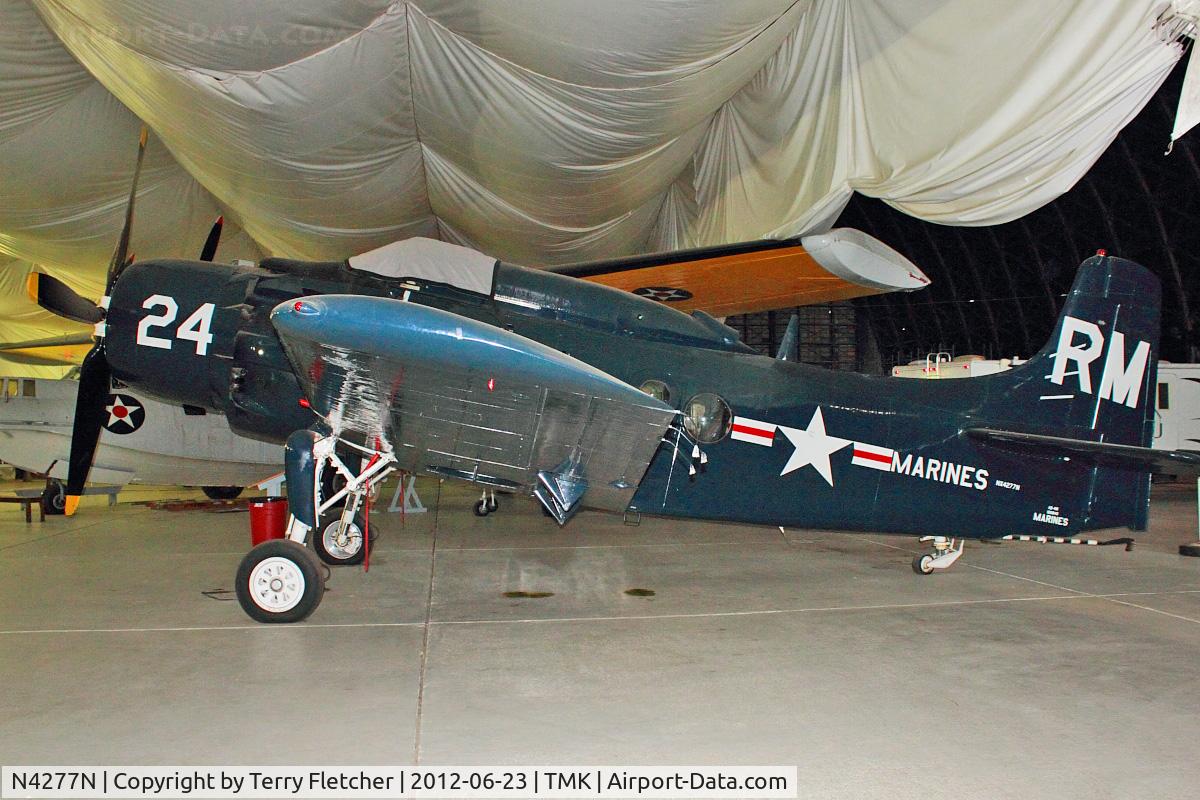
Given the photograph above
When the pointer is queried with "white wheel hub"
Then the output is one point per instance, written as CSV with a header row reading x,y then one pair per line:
x,y
342,544
276,584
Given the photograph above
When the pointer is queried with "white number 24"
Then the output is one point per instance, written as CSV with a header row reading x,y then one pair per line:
x,y
193,329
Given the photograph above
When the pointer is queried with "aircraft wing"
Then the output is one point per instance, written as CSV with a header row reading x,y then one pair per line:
x,y
1143,459
760,276
464,399
59,351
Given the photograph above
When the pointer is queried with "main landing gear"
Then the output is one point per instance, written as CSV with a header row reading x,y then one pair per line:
x,y
281,580
945,552
487,503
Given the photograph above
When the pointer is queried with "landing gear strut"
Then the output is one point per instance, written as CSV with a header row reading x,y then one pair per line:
x,y
487,503
281,580
945,552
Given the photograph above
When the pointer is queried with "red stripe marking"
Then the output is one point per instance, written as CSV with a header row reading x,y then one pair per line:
x,y
872,456
768,434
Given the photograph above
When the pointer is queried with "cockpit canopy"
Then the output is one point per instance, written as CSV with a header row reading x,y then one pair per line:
x,y
541,293
430,260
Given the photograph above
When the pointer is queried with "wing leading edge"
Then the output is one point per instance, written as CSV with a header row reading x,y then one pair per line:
x,y
460,398
59,351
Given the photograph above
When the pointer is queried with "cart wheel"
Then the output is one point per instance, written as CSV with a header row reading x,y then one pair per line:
x,y
221,492
279,581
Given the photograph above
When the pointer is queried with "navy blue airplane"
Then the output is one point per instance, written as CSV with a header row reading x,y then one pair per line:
x,y
435,359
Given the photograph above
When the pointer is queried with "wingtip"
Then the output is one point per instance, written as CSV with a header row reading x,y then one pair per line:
x,y
72,503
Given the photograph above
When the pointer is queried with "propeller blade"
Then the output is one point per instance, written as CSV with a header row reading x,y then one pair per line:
x,y
120,257
214,239
95,383
56,297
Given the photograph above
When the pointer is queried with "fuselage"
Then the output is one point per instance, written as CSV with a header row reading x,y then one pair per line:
x,y
142,441
798,445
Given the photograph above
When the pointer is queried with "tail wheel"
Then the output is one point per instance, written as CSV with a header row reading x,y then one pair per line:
x,y
480,508
341,547
923,564
54,497
492,504
279,581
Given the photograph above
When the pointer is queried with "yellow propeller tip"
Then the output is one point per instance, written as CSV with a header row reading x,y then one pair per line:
x,y
145,135
71,504
31,286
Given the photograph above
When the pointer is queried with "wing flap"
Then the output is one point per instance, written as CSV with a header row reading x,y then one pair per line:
x,y
461,398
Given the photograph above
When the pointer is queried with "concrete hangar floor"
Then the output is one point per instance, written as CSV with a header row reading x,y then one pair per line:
x,y
1025,671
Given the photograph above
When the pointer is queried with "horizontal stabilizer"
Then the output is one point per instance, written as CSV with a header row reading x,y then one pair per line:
x,y
1122,456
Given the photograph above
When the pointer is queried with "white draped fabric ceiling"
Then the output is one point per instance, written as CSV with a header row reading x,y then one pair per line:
x,y
540,131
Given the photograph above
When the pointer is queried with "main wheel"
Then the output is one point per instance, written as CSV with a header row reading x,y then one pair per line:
x,y
341,550
480,508
221,492
54,497
922,565
279,581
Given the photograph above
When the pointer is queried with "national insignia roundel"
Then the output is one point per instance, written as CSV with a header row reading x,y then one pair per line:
x,y
125,414
664,294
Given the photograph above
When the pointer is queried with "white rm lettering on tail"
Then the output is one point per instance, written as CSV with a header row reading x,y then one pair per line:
x,y
1083,357
1118,383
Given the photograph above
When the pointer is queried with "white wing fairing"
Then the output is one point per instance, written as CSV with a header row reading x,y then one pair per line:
x,y
463,399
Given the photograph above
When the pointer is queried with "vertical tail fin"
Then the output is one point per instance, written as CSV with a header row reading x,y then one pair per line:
x,y
1095,380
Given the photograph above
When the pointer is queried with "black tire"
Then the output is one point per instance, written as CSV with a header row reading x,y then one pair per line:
x,y
492,505
54,498
920,564
1192,550
300,586
221,492
480,508
331,483
328,550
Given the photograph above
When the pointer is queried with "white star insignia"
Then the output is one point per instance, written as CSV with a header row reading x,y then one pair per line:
x,y
119,412
813,447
